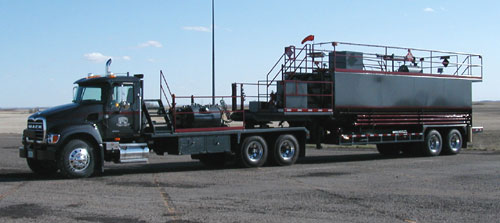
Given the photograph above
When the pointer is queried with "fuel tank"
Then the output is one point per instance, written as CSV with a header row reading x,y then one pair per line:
x,y
198,116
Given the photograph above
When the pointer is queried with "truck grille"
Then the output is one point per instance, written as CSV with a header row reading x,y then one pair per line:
x,y
38,126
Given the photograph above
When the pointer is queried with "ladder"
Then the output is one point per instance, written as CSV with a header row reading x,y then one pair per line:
x,y
159,119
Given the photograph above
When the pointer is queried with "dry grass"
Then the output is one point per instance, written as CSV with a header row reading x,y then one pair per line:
x,y
13,120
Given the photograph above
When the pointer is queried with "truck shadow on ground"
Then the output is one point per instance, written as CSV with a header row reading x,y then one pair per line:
x,y
13,175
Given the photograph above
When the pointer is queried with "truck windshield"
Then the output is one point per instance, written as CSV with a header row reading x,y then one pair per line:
x,y
87,94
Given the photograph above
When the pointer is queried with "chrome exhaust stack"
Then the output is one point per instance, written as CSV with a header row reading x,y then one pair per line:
x,y
108,64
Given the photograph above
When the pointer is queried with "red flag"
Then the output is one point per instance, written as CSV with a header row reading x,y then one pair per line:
x,y
308,38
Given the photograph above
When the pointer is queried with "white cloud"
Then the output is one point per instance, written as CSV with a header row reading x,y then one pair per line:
x,y
150,43
96,57
196,28
126,58
428,10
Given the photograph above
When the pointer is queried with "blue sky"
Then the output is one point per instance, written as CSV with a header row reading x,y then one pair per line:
x,y
47,45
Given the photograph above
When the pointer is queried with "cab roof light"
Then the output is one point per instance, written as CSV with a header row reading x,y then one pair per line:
x,y
91,75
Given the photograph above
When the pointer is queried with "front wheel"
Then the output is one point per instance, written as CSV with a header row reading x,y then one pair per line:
x,y
77,159
42,167
253,152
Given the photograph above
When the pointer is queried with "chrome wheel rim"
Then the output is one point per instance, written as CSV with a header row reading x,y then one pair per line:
x,y
434,143
255,151
287,149
79,159
455,142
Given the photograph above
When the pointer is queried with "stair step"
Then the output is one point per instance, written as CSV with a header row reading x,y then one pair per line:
x,y
157,115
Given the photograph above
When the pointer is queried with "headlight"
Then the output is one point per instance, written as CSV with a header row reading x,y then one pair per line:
x,y
53,138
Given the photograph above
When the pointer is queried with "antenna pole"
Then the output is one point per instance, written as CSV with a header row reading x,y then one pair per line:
x,y
213,55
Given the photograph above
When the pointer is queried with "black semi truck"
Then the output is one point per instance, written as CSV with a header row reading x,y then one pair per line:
x,y
404,100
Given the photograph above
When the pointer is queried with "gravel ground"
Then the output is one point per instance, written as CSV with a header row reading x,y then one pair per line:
x,y
330,185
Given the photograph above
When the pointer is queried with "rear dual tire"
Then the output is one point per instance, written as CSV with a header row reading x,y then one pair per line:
x,y
254,151
453,143
286,150
433,143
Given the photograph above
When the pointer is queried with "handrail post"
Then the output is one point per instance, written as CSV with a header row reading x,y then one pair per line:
x,y
470,65
242,98
173,111
284,93
234,105
267,88
258,91
161,86
481,58
431,62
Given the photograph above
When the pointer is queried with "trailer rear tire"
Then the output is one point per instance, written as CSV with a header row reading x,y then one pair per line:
x,y
433,143
453,143
389,149
286,150
253,152
77,159
42,167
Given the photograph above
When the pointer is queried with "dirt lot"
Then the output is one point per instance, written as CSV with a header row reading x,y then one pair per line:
x,y
330,185
486,114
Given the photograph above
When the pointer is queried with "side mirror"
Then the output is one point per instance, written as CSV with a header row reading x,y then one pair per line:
x,y
74,93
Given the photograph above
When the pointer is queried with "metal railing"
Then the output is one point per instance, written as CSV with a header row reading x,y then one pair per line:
x,y
163,81
376,59
411,61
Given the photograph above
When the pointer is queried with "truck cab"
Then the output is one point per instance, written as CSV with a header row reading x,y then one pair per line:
x,y
119,100
70,137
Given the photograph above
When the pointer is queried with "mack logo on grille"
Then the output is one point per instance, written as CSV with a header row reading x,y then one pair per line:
x,y
35,126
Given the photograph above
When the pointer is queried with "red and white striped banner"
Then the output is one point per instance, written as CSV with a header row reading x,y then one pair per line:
x,y
382,135
308,110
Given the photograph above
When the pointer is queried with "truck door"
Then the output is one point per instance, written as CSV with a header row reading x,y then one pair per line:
x,y
122,111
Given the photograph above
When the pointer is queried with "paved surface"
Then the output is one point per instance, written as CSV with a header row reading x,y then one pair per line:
x,y
330,185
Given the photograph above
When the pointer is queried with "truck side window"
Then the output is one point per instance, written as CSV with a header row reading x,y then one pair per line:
x,y
91,94
123,93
